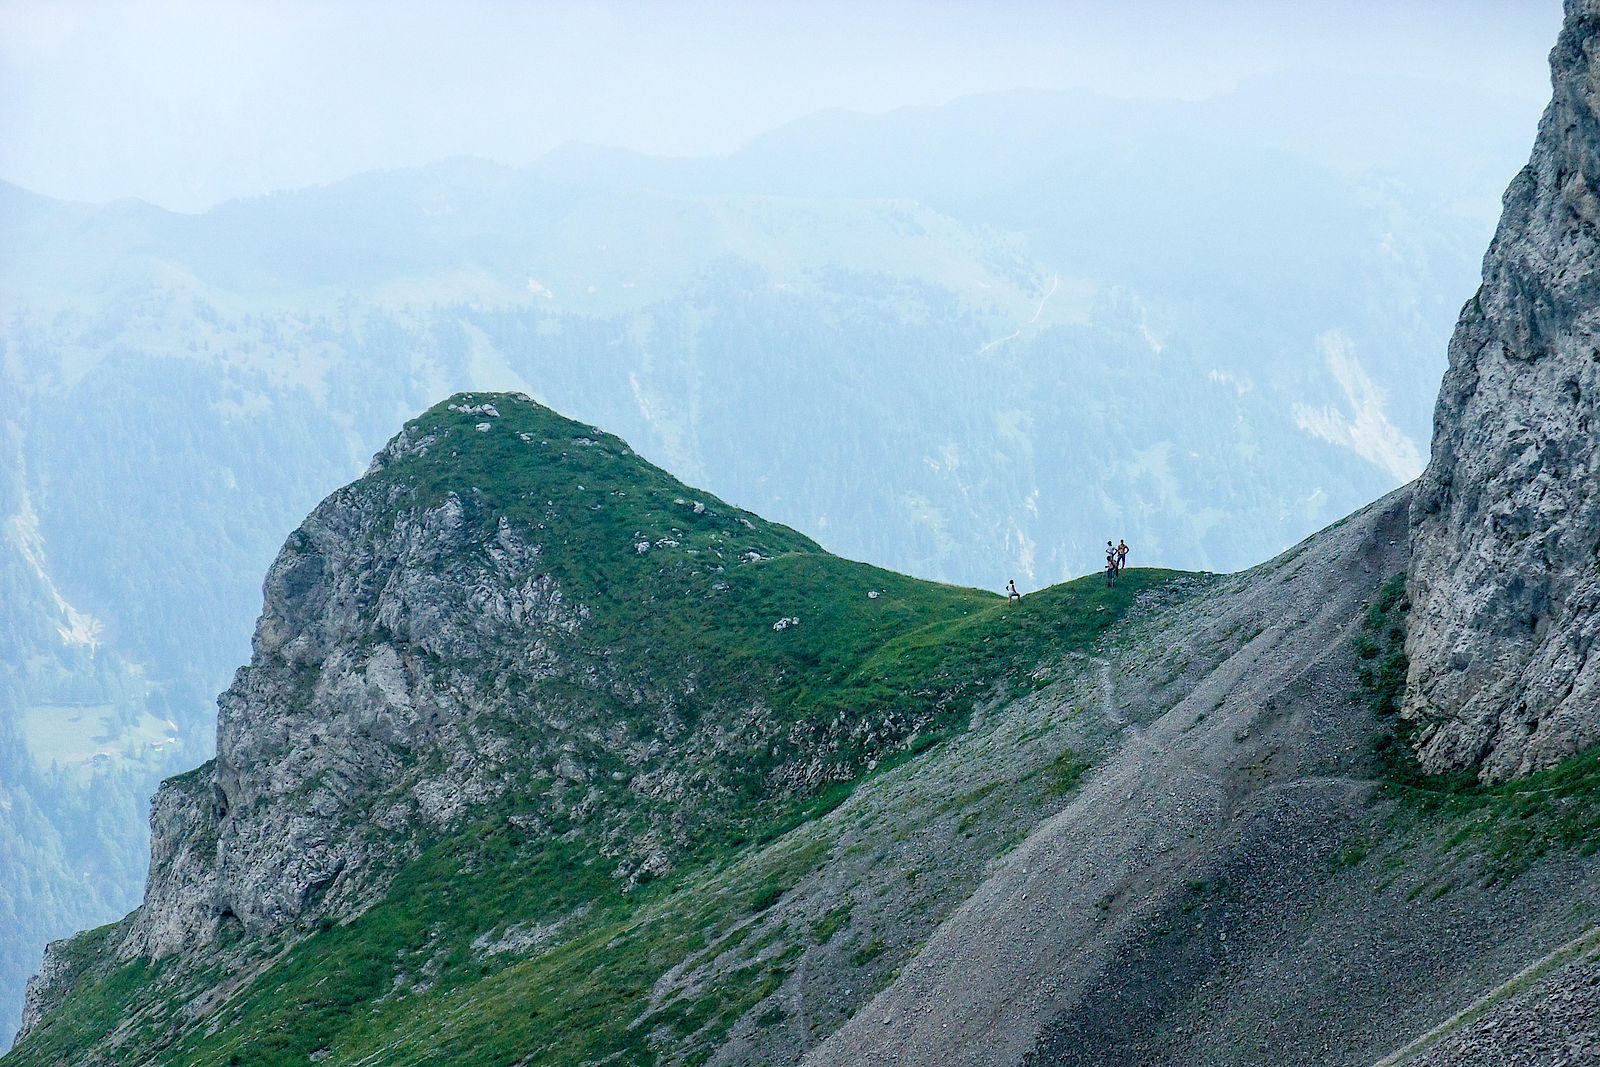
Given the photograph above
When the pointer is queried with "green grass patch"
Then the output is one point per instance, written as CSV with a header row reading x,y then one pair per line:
x,y
403,983
99,992
685,590
824,928
1381,648
767,896
1064,773
868,952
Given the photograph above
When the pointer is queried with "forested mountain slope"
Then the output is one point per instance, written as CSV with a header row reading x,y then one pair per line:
x,y
973,368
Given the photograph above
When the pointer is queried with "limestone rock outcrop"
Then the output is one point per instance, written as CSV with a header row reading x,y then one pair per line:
x,y
1505,574
437,636
365,610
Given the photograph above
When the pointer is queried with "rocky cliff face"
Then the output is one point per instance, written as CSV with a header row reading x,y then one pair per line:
x,y
418,655
1505,578
323,734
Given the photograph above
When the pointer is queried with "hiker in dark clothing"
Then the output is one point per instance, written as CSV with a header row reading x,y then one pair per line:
x,y
1111,571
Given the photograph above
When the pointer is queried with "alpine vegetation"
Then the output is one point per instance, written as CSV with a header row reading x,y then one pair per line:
x,y
543,756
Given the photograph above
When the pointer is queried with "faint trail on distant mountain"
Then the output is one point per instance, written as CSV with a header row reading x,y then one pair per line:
x,y
998,341
1055,283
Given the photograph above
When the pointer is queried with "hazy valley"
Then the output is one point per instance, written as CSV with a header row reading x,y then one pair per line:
x,y
545,756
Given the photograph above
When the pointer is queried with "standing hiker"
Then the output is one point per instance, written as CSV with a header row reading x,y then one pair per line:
x,y
1111,571
1122,554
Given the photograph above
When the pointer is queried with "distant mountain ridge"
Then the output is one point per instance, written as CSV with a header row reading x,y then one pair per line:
x,y
962,388
543,756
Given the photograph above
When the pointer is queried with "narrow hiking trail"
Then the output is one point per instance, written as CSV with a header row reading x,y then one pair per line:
x,y
1055,283
1108,693
1524,984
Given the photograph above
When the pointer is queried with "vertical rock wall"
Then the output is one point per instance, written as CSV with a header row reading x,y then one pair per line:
x,y
1505,579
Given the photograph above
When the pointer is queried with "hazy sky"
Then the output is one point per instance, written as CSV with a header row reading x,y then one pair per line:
x,y
187,103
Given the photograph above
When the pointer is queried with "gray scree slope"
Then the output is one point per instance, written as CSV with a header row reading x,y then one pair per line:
x,y
1081,948
1506,519
1195,903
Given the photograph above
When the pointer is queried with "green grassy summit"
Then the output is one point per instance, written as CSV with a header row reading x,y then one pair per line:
x,y
851,663
726,684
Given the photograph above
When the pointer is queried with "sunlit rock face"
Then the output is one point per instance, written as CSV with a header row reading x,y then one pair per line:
x,y
1505,579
